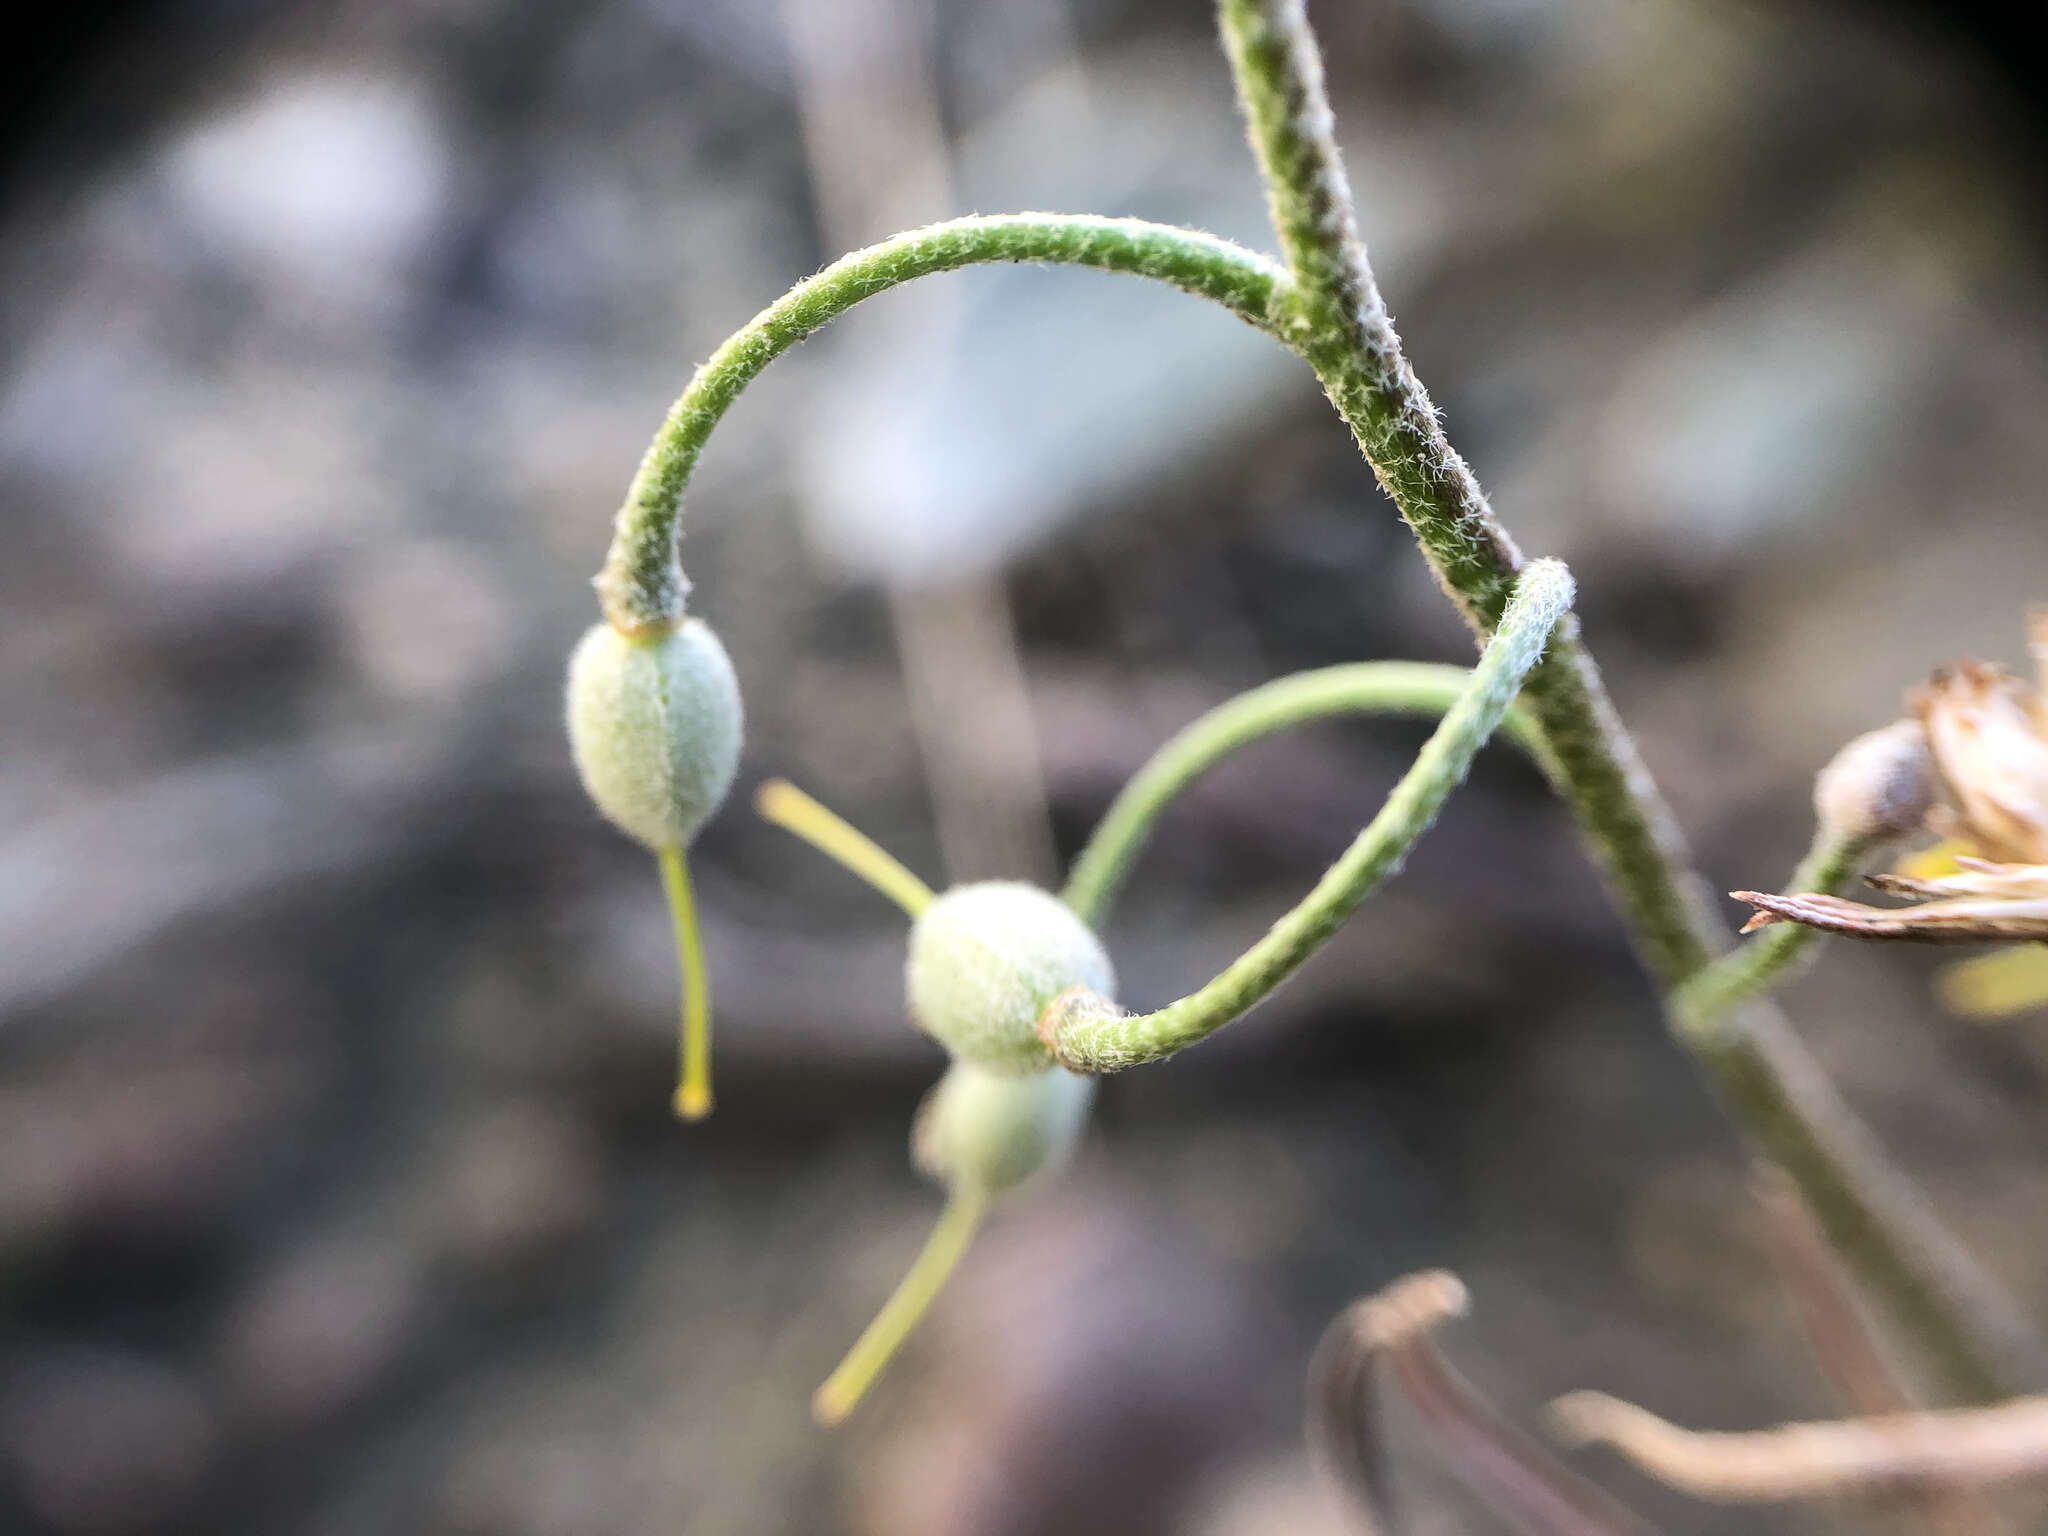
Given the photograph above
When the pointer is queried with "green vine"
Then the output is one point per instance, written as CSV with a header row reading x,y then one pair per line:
x,y
642,585
1325,306
1765,1079
1357,688
1087,1033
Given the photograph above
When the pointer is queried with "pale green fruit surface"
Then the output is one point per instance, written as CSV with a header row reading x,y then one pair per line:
x,y
985,960
997,1129
654,726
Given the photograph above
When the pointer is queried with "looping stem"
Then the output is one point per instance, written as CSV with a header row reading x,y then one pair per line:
x,y
1087,1033
1767,1082
642,585
1359,688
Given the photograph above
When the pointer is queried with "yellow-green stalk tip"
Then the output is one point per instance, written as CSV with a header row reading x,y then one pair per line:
x,y
693,1101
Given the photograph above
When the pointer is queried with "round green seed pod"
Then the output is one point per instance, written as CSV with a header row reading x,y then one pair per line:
x,y
994,1130
985,959
654,726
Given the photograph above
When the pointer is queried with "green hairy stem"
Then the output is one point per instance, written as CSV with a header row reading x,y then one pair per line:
x,y
1358,688
1340,324
1325,306
1765,1078
642,585
1702,1004
1087,1033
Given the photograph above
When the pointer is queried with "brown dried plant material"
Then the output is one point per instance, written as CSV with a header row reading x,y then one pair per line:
x,y
1389,1334
1986,732
1957,1447
1984,903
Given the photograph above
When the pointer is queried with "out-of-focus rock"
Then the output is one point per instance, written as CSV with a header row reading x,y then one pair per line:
x,y
514,1185
1085,1368
105,1444
320,1330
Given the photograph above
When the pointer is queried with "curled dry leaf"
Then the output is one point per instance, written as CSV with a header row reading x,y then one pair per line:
x,y
1988,733
1984,903
1389,1334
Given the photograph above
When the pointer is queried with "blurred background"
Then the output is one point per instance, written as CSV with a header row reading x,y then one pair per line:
x,y
338,1191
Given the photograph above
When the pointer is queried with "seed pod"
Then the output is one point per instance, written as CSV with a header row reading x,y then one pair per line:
x,y
985,959
1879,787
995,1130
654,726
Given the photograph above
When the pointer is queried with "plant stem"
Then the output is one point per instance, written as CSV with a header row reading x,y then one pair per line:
x,y
1340,325
1701,1004
1766,1080
1088,1033
642,585
790,808
693,1046
1357,688
912,1298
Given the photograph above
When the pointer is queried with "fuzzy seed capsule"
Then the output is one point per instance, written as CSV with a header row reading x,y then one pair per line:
x,y
1879,787
995,1130
654,726
985,959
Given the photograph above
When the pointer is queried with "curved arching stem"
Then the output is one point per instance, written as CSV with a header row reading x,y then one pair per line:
x,y
1088,1033
1412,688
642,585
1765,1078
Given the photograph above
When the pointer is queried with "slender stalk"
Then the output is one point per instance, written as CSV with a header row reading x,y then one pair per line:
x,y
1359,688
794,811
642,584
1088,1033
1765,1078
901,1313
1340,324
1702,1003
693,1046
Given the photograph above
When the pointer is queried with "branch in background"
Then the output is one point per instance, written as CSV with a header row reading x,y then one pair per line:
x,y
1847,1348
1956,1447
1843,1343
868,100
1388,1335
1766,1080
976,735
